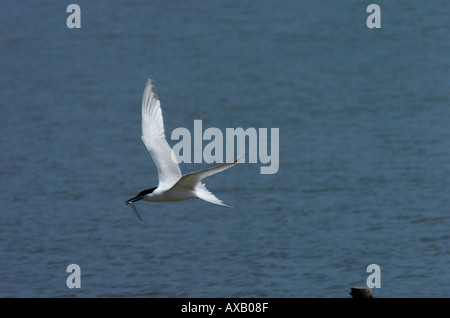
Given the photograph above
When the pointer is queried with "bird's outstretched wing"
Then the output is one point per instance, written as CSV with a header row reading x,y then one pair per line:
x,y
154,138
192,181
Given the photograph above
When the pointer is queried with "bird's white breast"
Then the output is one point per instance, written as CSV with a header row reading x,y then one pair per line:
x,y
172,194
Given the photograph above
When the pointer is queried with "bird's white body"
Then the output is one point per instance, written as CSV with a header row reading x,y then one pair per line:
x,y
172,185
170,195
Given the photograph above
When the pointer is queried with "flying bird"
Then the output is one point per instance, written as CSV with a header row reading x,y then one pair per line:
x,y
172,186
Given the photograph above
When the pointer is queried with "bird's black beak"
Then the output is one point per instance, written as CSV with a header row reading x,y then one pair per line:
x,y
136,198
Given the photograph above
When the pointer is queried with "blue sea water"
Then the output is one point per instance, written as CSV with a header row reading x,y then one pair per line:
x,y
364,174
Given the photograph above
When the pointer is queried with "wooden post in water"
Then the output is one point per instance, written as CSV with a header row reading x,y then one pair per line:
x,y
361,292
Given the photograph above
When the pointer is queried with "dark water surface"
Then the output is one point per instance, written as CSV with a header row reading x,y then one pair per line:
x,y
364,173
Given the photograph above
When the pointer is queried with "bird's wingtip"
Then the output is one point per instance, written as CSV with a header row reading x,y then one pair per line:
x,y
151,84
239,158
